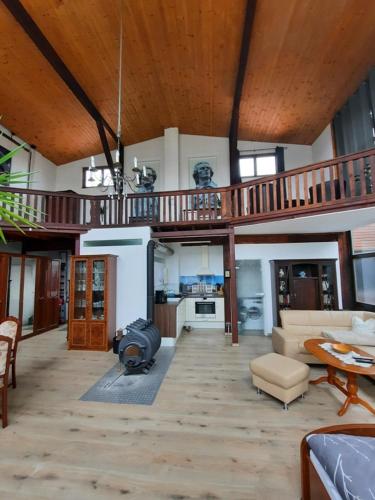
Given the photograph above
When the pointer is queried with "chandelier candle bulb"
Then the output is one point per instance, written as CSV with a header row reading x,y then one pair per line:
x,y
135,162
92,162
144,171
117,156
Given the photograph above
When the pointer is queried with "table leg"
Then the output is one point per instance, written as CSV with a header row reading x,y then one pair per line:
x,y
352,396
330,377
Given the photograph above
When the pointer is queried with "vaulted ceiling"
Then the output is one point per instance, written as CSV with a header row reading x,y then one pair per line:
x,y
180,65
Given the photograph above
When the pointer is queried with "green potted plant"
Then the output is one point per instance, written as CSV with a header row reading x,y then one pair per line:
x,y
12,210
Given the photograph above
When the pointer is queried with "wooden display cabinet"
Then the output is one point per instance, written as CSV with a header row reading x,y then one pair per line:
x,y
305,285
92,308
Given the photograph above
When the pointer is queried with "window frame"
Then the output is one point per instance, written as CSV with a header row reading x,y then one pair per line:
x,y
102,169
255,156
359,256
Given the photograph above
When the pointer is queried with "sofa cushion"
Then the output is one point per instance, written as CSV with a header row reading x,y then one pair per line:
x,y
315,320
363,326
279,370
350,337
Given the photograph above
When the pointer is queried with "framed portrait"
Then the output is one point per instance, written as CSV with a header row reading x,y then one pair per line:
x,y
202,171
155,165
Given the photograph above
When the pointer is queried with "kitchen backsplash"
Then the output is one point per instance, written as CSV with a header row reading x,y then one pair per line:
x,y
201,284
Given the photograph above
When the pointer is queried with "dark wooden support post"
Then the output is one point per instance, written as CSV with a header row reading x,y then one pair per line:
x,y
233,288
346,270
106,148
230,287
235,177
227,303
77,246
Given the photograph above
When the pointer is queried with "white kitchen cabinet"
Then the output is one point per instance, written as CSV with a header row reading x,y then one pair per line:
x,y
190,309
180,317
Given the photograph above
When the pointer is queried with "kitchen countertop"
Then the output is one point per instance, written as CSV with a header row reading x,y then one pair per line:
x,y
204,295
177,300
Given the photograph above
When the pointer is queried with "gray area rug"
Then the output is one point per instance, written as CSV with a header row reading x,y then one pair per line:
x,y
115,387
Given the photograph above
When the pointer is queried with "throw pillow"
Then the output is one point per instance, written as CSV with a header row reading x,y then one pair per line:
x,y
350,337
360,326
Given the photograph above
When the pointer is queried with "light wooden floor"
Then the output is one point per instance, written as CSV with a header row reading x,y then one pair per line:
x,y
207,436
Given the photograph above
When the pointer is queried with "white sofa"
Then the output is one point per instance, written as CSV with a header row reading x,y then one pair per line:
x,y
298,326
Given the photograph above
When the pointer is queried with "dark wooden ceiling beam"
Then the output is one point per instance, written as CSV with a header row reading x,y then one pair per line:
x,y
235,177
208,234
33,31
106,148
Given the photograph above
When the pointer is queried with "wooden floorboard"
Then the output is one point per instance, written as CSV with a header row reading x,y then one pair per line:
x,y
207,436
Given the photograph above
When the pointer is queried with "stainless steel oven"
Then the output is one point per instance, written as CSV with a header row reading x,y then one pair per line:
x,y
205,309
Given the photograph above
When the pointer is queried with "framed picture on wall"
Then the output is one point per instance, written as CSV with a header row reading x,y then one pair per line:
x,y
155,166
201,172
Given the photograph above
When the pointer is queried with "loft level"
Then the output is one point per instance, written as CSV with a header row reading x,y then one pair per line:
x,y
344,182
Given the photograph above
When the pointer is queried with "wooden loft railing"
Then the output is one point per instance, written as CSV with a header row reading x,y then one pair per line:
x,y
344,182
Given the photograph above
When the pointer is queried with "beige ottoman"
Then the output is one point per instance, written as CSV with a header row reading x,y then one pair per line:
x,y
282,377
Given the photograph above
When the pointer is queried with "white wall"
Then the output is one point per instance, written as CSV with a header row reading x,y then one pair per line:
x,y
69,175
286,251
131,269
44,171
322,147
157,151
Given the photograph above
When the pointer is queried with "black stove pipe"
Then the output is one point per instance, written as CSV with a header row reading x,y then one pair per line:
x,y
150,279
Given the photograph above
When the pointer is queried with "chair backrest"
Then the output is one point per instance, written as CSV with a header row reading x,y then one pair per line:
x,y
11,327
5,352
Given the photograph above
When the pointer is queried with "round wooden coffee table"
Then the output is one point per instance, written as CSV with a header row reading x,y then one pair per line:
x,y
333,364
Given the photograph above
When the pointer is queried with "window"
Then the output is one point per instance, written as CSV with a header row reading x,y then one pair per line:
x,y
101,176
257,165
363,239
364,273
363,244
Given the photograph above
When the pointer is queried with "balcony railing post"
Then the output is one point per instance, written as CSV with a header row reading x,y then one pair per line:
x,y
95,213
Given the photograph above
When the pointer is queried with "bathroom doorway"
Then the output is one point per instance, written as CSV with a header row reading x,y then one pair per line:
x,y
250,297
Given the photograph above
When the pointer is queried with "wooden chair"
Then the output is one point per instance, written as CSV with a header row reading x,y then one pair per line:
x,y
5,355
11,327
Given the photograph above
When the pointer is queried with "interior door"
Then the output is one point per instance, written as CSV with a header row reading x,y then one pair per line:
x,y
28,301
41,299
53,293
14,286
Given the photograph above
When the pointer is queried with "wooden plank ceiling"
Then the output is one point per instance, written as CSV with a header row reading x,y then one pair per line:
x,y
180,65
306,58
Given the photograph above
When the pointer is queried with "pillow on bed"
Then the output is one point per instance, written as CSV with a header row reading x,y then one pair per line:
x,y
350,337
360,326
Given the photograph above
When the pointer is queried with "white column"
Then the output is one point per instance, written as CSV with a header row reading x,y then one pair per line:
x,y
171,159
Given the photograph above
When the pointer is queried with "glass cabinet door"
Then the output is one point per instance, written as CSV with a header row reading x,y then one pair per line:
x,y
328,287
283,287
80,281
97,299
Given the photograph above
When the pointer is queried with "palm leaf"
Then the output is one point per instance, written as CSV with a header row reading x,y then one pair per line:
x,y
10,203
12,153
